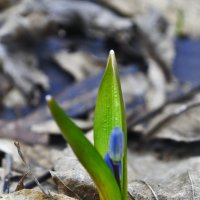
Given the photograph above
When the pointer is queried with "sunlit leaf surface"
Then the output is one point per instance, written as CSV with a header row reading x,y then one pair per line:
x,y
86,153
109,113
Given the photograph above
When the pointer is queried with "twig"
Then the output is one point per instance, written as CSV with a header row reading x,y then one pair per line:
x,y
67,190
179,111
130,197
30,170
31,184
20,185
191,185
6,182
153,192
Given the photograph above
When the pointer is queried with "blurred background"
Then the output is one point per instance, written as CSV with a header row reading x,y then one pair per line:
x,y
61,48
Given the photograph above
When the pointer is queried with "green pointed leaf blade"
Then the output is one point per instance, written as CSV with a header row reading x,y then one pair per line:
x,y
86,153
110,112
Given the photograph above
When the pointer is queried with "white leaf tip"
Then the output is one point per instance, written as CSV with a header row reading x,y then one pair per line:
x,y
48,98
112,52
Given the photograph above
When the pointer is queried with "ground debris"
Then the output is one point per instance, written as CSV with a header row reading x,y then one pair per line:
x,y
74,177
33,194
84,65
173,179
27,23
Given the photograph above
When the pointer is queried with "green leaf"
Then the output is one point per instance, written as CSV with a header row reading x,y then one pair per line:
x,y
86,153
109,113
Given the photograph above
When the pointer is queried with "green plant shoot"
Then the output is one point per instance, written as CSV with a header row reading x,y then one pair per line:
x,y
86,153
110,113
110,136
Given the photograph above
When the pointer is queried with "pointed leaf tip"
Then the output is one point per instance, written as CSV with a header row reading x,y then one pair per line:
x,y
112,57
112,52
48,98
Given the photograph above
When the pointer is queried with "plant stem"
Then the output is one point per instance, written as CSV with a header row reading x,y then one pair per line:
x,y
117,173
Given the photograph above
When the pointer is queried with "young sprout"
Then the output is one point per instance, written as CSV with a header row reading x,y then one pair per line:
x,y
106,161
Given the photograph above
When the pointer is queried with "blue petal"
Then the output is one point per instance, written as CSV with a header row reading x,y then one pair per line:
x,y
109,162
116,145
112,164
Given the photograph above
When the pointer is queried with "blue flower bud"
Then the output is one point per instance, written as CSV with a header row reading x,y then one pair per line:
x,y
116,145
109,162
